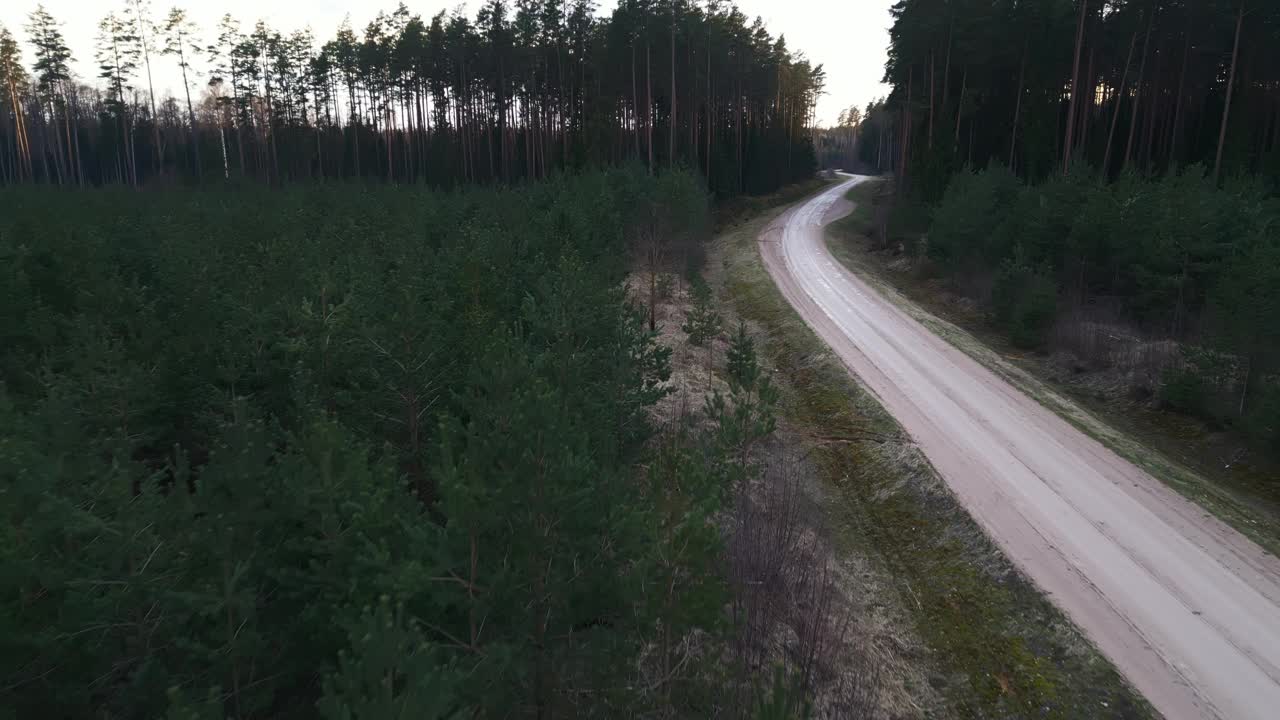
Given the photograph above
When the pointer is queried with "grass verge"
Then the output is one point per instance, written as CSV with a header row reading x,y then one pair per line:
x,y
1176,452
996,647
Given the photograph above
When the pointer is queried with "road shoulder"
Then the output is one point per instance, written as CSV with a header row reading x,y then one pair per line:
x,y
993,645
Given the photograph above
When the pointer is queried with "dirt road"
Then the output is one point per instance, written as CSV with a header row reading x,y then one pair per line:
x,y
1186,607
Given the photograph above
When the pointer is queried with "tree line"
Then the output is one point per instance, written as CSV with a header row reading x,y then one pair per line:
x,y
519,91
1143,85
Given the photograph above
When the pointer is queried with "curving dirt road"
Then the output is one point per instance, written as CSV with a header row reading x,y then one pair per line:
x,y
1186,608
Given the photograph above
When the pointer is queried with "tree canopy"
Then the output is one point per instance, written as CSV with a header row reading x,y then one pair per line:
x,y
1148,85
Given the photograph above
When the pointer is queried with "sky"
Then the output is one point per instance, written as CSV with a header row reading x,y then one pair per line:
x,y
848,37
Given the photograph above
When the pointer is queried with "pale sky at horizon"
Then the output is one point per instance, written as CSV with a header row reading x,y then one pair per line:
x,y
849,37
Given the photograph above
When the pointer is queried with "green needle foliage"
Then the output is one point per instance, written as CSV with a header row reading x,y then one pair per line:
x,y
702,323
741,362
749,414
357,452
1137,260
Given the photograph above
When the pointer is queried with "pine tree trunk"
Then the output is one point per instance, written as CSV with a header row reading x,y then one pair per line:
x,y
235,118
488,128
710,108
635,100
24,137
1175,133
671,150
946,67
75,141
931,74
560,117
424,130
20,140
648,100
1153,115
271,140
901,183
1247,383
191,113
460,142
526,109
502,120
879,149
1275,128
1137,90
58,160
738,109
969,159
132,157
43,136
64,143
1226,107
1017,105
692,110
151,91
1075,89
222,137
1086,112
1119,100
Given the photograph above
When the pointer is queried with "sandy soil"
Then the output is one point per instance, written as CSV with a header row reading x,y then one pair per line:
x,y
1187,608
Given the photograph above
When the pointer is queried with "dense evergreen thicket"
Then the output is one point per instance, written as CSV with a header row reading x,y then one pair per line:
x,y
370,453
522,90
1097,268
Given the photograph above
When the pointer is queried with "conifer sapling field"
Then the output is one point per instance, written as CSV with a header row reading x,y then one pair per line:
x,y
347,450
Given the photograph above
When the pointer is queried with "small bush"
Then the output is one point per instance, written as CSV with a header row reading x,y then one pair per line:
x,y
907,221
1185,390
963,221
742,366
1200,384
702,323
666,286
1025,302
1262,419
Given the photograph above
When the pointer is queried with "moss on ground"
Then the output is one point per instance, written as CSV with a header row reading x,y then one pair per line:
x,y
997,647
